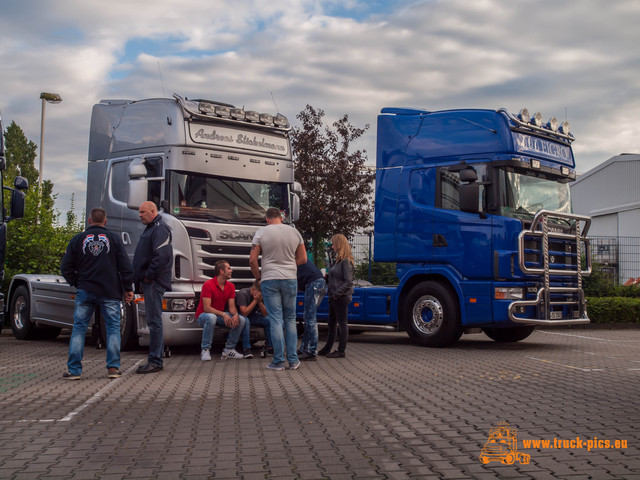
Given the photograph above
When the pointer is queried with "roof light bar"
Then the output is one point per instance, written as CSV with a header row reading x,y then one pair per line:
x,y
222,111
565,127
280,121
553,124
524,116
537,119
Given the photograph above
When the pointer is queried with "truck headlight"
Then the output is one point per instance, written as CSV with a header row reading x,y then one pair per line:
x,y
180,304
508,293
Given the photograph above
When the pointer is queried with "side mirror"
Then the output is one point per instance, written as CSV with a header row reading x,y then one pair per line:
x,y
468,175
296,188
295,207
17,204
137,192
469,197
21,183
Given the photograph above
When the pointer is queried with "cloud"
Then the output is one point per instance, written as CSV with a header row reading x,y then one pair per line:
x,y
577,60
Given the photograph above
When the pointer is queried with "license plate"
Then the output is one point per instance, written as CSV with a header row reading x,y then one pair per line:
x,y
556,315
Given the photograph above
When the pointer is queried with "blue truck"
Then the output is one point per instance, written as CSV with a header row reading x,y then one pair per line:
x,y
473,206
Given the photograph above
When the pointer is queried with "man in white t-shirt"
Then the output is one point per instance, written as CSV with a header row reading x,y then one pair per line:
x,y
282,250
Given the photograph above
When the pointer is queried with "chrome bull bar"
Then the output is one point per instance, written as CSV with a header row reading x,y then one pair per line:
x,y
551,300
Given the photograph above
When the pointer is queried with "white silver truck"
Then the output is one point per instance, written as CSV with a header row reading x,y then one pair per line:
x,y
214,169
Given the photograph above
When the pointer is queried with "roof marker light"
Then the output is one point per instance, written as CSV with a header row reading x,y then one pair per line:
x,y
280,121
237,113
535,163
524,115
266,118
537,119
223,111
206,107
252,116
565,171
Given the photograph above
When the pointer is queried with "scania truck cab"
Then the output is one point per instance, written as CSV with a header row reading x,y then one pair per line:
x,y
212,168
474,208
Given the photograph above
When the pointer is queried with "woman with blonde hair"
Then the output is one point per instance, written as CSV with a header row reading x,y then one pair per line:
x,y
340,293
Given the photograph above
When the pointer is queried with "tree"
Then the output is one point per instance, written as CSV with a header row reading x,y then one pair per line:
x,y
336,188
35,243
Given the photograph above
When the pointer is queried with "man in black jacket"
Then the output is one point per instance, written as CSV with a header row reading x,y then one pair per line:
x,y
152,271
97,264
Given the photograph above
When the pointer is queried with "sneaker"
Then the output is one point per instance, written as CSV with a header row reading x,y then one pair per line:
x,y
295,366
70,376
336,354
276,366
270,351
205,356
231,353
246,353
307,357
324,352
113,372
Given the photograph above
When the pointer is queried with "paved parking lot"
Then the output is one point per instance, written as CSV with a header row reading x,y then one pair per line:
x,y
389,410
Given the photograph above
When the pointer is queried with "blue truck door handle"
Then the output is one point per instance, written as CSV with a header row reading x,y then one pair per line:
x,y
439,240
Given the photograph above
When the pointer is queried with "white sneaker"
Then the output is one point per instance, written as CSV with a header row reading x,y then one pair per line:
x,y
205,355
231,353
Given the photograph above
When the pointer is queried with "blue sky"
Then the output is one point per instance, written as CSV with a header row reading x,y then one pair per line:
x,y
573,59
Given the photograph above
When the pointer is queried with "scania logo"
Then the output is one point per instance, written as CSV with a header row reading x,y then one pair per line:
x,y
235,235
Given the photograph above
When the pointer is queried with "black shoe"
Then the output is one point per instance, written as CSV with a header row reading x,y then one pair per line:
x,y
336,354
269,351
324,352
246,353
148,368
70,376
306,356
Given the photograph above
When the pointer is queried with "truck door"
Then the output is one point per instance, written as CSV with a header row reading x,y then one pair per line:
x,y
462,241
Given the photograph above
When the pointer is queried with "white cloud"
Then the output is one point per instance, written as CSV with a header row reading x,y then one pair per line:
x,y
578,57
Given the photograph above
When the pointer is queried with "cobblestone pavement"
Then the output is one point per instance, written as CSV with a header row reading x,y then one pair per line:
x,y
389,410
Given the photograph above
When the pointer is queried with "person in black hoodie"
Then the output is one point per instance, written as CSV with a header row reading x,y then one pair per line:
x,y
97,264
152,263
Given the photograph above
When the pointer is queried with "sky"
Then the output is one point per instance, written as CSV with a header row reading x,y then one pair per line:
x,y
576,60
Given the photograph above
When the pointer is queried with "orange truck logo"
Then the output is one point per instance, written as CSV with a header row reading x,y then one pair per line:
x,y
502,446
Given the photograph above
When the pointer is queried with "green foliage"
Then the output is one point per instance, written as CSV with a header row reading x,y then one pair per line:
x,y
382,273
35,243
613,309
599,283
336,189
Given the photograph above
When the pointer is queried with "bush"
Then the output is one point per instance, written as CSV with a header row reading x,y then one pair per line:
x,y
613,309
382,273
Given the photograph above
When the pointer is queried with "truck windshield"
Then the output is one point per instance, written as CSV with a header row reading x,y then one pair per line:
x,y
216,199
523,195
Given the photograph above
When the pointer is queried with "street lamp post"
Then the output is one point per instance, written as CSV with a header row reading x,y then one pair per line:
x,y
51,98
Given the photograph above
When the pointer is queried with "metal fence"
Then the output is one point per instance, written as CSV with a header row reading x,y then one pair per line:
x,y
618,257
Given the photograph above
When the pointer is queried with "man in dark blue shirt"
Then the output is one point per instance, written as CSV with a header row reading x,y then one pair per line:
x,y
152,263
311,282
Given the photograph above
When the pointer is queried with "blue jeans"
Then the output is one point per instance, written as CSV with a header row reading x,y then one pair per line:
x,y
258,320
280,299
314,292
86,302
209,321
153,310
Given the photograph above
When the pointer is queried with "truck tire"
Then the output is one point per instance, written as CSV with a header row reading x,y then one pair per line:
x,y
508,335
433,317
128,330
19,314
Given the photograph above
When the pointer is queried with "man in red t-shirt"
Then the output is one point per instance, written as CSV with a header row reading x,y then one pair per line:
x,y
218,307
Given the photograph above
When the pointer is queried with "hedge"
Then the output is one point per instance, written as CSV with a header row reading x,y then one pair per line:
x,y
613,309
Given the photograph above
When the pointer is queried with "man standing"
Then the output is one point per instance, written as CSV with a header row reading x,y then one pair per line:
x,y
282,251
152,272
217,306
250,303
97,264
311,282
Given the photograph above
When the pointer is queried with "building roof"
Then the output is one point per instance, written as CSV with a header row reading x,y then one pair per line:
x,y
623,157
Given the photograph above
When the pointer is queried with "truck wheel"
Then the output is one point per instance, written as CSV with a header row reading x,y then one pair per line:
x,y
433,315
507,335
128,332
19,318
